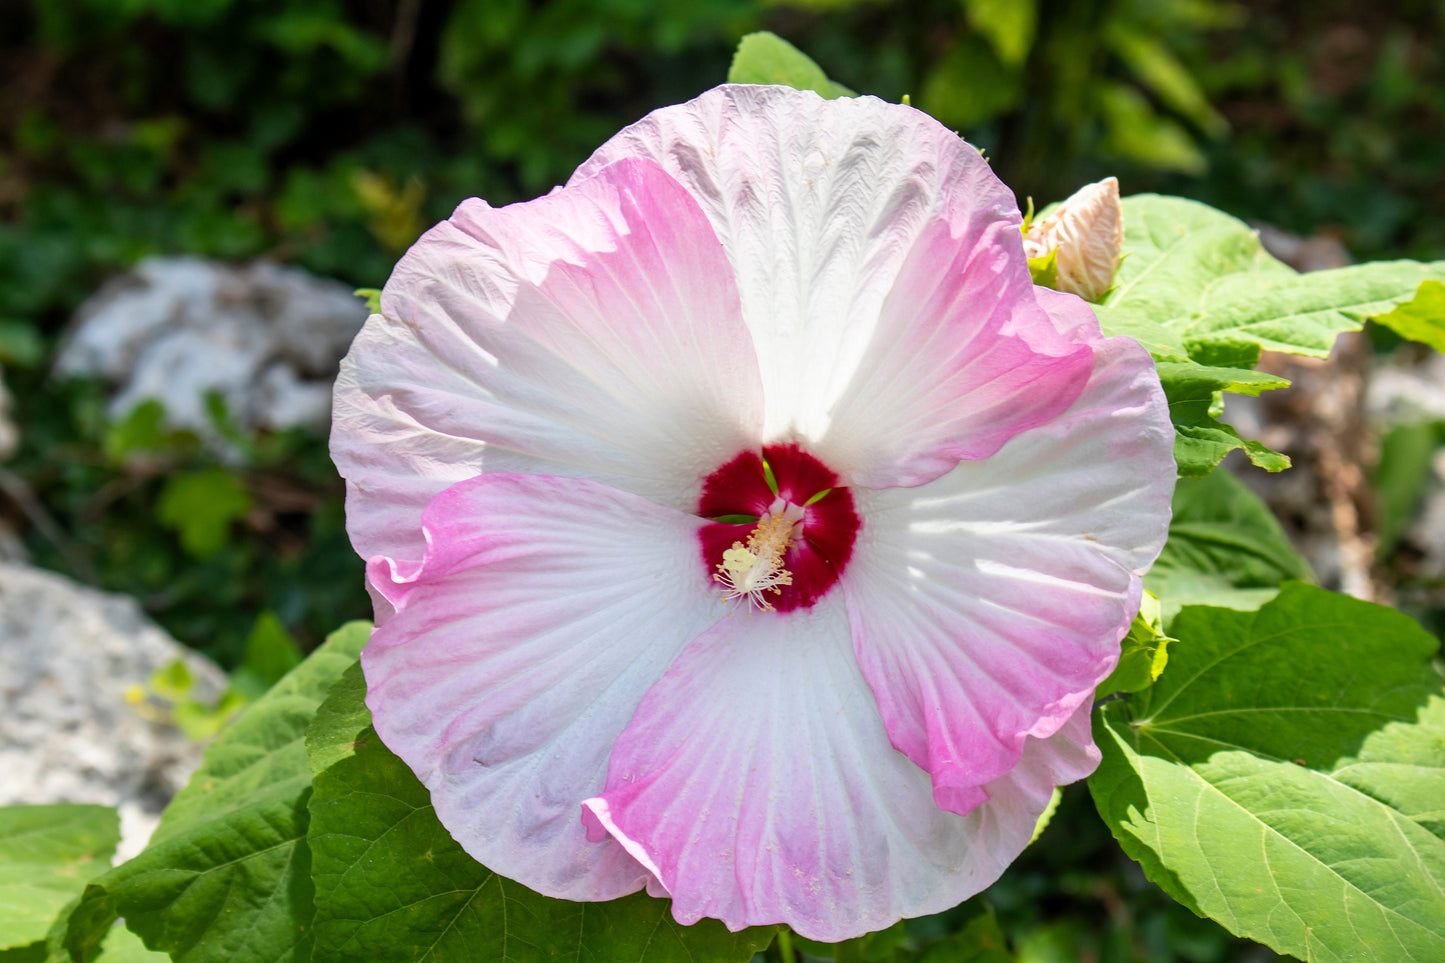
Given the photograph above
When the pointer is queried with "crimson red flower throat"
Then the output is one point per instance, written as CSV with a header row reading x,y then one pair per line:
x,y
782,528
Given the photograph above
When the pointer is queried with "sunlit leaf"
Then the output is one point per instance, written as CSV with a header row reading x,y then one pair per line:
x,y
46,855
1225,547
766,58
1285,776
1144,653
1422,318
1201,439
227,876
1304,313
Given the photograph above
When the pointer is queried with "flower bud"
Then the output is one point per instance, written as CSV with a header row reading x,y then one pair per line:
x,y
1086,233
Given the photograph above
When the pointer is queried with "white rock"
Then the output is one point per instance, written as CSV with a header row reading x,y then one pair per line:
x,y
267,338
68,733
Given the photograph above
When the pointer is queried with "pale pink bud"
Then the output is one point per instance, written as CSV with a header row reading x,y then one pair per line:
x,y
1088,233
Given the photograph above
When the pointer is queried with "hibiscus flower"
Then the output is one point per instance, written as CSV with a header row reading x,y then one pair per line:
x,y
743,523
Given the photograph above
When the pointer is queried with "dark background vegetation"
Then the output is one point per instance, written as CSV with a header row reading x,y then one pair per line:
x,y
329,134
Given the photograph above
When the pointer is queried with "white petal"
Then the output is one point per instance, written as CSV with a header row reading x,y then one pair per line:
x,y
987,605
544,609
818,204
595,332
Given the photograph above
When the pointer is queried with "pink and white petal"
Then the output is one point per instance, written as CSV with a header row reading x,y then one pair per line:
x,y
820,204
757,782
544,609
963,358
595,332
1025,790
1071,315
986,605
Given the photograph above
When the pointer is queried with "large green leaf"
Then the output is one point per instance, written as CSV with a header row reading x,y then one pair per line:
x,y
1422,318
1173,250
1194,392
1304,313
1203,277
1225,548
111,943
1286,776
227,876
392,885
47,853
766,58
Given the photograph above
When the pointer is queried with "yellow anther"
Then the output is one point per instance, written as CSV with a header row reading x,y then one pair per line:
x,y
747,571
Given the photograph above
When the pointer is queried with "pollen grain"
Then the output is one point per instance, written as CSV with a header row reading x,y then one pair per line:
x,y
749,570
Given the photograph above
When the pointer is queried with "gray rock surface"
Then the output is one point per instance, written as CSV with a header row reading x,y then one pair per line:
x,y
268,338
68,733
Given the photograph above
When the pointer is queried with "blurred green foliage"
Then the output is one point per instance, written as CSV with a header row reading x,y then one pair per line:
x,y
329,134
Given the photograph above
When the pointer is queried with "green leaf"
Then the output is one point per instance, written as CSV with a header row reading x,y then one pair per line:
x,y
981,941
1134,130
1193,380
20,344
1407,454
145,429
1194,393
47,853
1151,63
1047,815
227,876
970,85
1285,776
392,884
372,297
1225,548
1204,277
1145,652
766,58
1160,340
270,654
1045,269
1173,250
1422,318
1304,313
1199,447
1008,24
200,506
